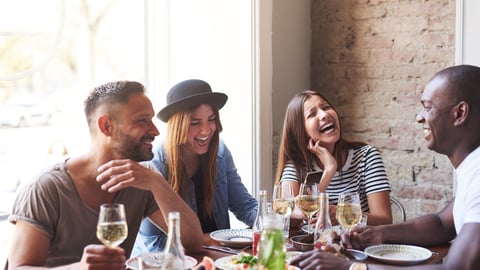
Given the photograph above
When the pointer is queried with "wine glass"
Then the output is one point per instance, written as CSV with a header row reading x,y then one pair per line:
x,y
283,204
309,201
349,210
112,226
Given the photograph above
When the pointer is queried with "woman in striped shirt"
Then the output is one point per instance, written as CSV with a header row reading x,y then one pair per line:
x,y
312,141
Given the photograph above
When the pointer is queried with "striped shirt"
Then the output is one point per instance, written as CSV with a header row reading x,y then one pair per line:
x,y
363,172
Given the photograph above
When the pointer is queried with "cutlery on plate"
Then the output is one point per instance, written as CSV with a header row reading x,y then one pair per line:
x,y
226,249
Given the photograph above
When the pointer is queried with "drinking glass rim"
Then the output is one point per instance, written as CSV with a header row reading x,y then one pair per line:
x,y
112,205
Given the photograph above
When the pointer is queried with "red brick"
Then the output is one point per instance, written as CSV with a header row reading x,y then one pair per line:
x,y
373,58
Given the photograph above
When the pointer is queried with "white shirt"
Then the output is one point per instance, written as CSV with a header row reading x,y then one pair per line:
x,y
466,208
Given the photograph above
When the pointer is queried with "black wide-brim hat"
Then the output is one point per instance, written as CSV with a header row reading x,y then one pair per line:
x,y
189,94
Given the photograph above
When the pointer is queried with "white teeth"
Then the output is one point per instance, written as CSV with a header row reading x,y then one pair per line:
x,y
326,127
202,139
426,131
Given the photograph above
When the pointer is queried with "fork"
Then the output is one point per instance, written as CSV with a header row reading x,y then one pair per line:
x,y
226,249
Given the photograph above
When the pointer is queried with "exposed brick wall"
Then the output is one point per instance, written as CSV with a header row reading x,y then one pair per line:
x,y
372,58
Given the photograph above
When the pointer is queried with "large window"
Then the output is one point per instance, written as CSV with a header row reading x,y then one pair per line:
x,y
209,40
54,51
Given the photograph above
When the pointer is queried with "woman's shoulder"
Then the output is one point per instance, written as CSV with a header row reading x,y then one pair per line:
x,y
365,153
222,149
159,152
289,172
366,148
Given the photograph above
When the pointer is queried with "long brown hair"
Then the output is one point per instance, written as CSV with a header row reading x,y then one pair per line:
x,y
294,141
177,132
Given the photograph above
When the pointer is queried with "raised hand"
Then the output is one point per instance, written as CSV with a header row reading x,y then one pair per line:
x,y
122,173
322,153
328,161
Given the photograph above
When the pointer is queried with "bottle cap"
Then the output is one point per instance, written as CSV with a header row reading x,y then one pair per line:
x,y
173,215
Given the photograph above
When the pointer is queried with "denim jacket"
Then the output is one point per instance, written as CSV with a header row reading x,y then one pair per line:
x,y
230,194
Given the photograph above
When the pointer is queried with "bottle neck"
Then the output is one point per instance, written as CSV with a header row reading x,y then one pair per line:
x,y
174,228
262,205
261,210
174,242
323,212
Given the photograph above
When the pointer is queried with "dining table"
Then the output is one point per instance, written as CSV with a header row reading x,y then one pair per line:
x,y
439,252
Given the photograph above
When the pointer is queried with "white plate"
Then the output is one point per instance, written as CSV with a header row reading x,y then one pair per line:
x,y
154,259
226,263
398,254
291,255
337,228
233,237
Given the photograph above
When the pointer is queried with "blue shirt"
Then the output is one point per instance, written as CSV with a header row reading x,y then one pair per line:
x,y
230,194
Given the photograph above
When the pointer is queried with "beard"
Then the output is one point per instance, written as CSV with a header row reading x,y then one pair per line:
x,y
128,148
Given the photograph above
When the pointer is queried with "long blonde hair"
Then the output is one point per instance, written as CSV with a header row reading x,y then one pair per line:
x,y
177,132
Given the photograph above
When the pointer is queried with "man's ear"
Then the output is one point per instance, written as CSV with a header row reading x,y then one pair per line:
x,y
460,113
105,124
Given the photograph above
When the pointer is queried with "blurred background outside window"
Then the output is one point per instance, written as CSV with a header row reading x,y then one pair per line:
x,y
52,53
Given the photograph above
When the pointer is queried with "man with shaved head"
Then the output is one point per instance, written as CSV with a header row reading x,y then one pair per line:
x,y
451,123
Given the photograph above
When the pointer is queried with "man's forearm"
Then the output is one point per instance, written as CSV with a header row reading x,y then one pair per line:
x,y
191,230
424,230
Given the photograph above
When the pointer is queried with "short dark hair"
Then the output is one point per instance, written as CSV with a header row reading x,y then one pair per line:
x,y
463,80
111,93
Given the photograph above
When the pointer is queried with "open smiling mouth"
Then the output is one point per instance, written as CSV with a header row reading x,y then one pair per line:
x,y
426,132
201,140
327,127
148,140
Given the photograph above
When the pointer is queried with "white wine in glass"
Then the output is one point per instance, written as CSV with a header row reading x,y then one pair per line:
x,y
309,201
309,204
112,227
283,204
349,210
283,200
283,207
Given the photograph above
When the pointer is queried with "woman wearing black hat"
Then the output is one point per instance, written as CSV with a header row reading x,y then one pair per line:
x,y
197,163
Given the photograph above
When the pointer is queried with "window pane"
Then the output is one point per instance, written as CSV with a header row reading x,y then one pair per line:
x,y
209,40
52,54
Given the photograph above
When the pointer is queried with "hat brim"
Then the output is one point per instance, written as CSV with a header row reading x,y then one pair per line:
x,y
216,99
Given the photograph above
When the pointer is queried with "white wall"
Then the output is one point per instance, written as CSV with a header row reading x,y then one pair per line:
x,y
291,60
291,54
468,39
282,69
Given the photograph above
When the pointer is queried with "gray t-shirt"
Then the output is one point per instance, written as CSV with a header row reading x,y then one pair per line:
x,y
53,205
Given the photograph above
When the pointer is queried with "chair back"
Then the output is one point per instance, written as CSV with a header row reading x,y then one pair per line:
x,y
398,211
